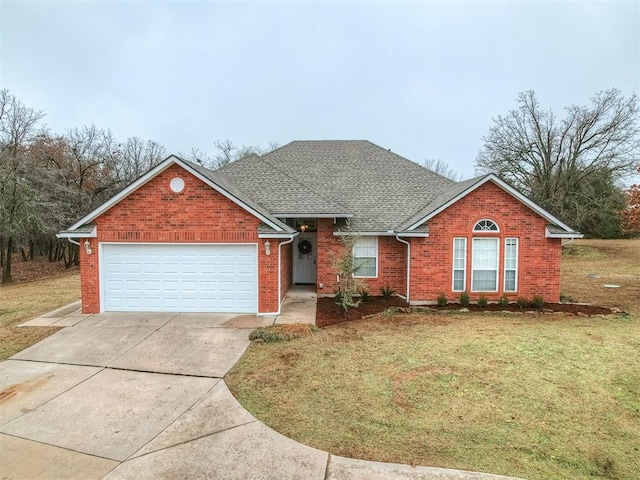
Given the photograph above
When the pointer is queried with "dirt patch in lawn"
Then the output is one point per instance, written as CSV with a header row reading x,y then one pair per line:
x,y
328,313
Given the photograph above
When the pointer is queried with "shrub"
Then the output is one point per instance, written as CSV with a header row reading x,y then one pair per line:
x,y
537,302
482,302
503,301
442,300
464,299
566,298
522,302
364,295
387,292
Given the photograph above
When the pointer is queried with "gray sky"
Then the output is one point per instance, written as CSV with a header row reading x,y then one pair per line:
x,y
421,78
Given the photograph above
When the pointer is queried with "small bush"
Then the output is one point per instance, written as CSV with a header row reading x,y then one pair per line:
x,y
337,297
387,292
503,301
282,333
442,300
364,295
483,302
566,298
464,299
537,302
522,302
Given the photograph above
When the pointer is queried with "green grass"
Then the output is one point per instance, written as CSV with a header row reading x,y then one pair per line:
x,y
20,302
538,398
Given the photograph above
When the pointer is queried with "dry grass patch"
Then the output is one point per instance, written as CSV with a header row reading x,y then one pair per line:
x,y
615,262
22,301
536,397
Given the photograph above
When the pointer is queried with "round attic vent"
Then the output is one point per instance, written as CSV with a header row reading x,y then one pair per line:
x,y
176,184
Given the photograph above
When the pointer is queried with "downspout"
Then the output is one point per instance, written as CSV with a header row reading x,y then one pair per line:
x,y
567,243
280,270
73,241
408,264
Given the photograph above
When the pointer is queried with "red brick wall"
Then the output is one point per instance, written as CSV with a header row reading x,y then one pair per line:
x,y
198,214
285,269
392,262
539,257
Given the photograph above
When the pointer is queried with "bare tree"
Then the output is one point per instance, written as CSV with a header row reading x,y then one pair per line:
x,y
225,152
441,167
567,166
18,202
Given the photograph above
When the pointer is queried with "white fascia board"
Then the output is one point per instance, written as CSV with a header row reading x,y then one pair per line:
x,y
278,235
548,234
66,234
413,234
507,188
313,215
365,234
154,172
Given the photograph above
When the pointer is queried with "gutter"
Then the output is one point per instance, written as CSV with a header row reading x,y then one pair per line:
x,y
408,264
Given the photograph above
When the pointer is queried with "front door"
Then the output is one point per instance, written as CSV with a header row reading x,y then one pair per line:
x,y
304,258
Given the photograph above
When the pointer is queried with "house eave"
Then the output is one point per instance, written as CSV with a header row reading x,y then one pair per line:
x,y
75,234
278,235
382,234
548,234
313,215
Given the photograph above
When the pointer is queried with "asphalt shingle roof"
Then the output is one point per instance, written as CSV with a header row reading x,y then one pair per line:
x,y
378,187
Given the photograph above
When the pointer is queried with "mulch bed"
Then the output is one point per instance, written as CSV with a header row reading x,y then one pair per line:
x,y
328,313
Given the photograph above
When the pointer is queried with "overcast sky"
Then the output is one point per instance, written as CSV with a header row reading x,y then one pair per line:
x,y
421,78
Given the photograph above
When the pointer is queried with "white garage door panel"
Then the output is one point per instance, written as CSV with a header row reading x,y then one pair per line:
x,y
179,278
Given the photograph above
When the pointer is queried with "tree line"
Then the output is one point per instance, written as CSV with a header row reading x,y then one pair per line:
x,y
48,181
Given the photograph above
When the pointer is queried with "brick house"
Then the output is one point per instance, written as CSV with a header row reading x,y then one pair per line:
x,y
185,238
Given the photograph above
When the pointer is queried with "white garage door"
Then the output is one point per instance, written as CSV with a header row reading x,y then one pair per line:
x,y
179,278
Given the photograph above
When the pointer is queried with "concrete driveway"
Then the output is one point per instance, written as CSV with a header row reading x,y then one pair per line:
x,y
141,396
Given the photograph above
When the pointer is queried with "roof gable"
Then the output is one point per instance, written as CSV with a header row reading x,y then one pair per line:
x,y
462,189
207,176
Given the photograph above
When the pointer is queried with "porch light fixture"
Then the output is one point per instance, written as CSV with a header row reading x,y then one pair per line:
x,y
87,247
303,227
267,248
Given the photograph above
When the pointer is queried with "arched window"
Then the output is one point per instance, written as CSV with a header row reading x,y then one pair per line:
x,y
486,226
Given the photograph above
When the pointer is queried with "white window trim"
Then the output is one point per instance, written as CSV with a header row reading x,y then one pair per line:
x,y
464,269
497,239
376,257
504,286
486,231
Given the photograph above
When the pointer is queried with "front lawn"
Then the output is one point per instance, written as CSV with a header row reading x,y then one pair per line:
x,y
533,396
20,302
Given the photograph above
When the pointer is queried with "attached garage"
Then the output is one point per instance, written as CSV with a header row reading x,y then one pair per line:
x,y
179,277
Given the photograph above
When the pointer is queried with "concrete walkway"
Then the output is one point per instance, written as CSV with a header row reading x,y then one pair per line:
x,y
141,396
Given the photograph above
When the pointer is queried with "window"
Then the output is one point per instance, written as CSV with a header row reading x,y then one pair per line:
x,y
365,252
510,264
486,226
484,274
459,264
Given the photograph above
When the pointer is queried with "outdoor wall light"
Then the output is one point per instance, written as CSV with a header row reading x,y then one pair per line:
x,y
87,247
304,227
267,248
